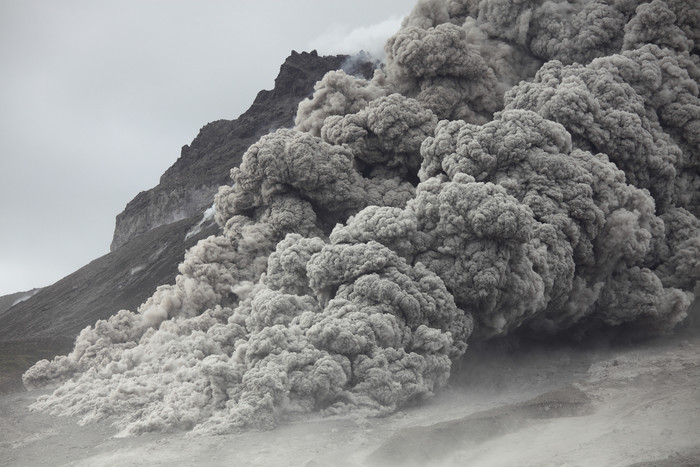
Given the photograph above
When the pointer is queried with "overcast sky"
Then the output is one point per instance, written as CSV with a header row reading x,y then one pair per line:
x,y
98,97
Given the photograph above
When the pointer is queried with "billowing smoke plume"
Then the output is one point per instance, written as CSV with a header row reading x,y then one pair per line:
x,y
516,166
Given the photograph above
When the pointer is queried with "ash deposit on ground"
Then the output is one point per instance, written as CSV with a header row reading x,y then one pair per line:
x,y
514,168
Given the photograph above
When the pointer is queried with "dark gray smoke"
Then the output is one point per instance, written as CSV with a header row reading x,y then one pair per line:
x,y
518,166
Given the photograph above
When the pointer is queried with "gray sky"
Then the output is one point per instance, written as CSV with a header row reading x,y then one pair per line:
x,y
98,97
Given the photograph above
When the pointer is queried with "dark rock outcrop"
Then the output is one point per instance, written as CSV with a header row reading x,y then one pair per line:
x,y
189,185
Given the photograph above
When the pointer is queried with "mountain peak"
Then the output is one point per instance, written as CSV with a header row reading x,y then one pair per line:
x,y
188,186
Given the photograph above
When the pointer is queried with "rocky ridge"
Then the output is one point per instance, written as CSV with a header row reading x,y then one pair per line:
x,y
188,186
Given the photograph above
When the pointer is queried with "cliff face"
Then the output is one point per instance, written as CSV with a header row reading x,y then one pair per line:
x,y
188,186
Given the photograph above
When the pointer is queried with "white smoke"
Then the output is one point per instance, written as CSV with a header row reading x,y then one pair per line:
x,y
370,39
207,219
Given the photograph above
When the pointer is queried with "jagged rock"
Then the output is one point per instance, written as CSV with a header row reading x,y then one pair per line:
x,y
189,185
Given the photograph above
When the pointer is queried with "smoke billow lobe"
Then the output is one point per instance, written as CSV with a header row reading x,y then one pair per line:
x,y
518,166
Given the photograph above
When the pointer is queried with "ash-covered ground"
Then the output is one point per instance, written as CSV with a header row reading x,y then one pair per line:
x,y
542,405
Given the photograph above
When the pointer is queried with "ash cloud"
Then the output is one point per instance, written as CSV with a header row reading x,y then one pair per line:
x,y
526,166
